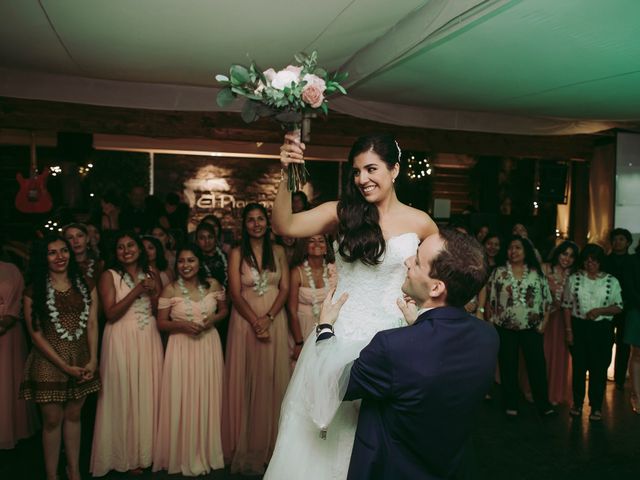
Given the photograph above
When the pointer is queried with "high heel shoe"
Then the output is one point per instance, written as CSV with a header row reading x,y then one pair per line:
x,y
635,408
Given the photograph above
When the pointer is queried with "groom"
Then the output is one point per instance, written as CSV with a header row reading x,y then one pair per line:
x,y
421,386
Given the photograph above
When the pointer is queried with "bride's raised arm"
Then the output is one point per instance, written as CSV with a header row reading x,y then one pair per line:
x,y
319,220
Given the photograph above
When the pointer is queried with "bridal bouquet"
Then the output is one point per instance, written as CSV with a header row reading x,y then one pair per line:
x,y
290,96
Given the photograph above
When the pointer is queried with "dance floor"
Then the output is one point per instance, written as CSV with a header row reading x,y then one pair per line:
x,y
528,447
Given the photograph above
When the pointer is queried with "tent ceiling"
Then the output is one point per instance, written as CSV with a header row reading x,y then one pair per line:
x,y
572,60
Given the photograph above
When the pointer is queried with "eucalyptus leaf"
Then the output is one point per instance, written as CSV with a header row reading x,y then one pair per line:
x,y
222,78
225,97
341,89
249,111
320,72
239,74
325,108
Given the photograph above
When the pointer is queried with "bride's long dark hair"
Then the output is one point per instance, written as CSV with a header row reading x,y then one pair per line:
x,y
358,220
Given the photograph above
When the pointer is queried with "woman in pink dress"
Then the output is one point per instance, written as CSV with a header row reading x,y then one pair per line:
x,y
157,260
18,418
189,440
60,312
257,366
556,352
312,276
130,364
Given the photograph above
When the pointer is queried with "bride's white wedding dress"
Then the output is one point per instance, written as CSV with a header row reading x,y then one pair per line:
x,y
316,387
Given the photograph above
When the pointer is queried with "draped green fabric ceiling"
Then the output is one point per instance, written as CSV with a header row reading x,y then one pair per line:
x,y
572,61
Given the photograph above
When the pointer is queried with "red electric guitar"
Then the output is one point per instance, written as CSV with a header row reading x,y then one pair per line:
x,y
33,196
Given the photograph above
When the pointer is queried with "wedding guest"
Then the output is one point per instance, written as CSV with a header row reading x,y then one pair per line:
x,y
137,212
257,368
214,260
110,204
563,263
157,259
214,221
615,264
312,276
77,235
189,440
518,302
18,418
632,326
174,215
491,246
591,299
60,311
299,202
481,233
167,241
130,364
93,242
289,246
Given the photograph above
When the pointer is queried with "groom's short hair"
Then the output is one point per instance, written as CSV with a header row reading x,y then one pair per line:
x,y
461,265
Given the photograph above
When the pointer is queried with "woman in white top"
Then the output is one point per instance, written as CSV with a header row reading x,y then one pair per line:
x,y
591,299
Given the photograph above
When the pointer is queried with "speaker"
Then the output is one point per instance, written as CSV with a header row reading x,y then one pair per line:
x,y
441,208
553,177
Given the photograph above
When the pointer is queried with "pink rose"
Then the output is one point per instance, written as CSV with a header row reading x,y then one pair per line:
x,y
316,81
312,95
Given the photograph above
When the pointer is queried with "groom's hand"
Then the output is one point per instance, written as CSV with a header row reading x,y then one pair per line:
x,y
330,310
409,309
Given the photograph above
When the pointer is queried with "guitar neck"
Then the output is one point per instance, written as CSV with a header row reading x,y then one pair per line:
x,y
33,169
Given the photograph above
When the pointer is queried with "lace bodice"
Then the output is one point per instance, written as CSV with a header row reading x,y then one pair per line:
x,y
373,290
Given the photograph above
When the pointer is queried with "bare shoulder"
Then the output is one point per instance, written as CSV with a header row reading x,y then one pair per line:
x,y
214,285
169,291
278,250
420,221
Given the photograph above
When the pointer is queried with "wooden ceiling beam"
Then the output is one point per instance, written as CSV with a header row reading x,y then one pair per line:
x,y
340,130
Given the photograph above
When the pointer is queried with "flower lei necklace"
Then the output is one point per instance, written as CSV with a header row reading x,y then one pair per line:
x,y
223,259
90,266
315,306
260,281
188,303
141,306
518,287
54,315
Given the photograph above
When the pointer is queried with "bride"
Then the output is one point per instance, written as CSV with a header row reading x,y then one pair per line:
x,y
376,234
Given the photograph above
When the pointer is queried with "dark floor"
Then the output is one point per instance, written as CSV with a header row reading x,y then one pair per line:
x,y
524,448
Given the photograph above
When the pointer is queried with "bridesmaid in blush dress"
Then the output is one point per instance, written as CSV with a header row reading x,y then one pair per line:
x,y
130,364
312,276
257,366
18,418
189,440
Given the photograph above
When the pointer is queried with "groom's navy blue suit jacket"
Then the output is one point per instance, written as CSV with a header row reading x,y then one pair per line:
x,y
421,386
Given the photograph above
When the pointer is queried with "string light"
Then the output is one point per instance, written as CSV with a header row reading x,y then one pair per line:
x,y
85,170
55,170
418,168
52,226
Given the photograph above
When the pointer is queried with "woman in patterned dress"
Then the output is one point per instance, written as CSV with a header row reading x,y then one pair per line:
x,y
257,366
518,305
61,315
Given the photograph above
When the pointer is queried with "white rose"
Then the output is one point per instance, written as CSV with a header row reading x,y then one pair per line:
x,y
315,81
269,74
284,78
